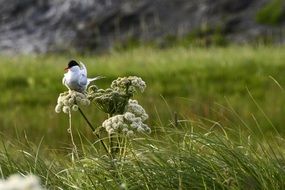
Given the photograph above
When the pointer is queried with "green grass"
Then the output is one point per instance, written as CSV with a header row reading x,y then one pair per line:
x,y
179,158
194,82
230,110
273,13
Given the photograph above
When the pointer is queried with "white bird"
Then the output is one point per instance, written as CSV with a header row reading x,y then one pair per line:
x,y
76,77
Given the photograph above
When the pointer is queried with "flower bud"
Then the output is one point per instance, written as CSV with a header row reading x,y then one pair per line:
x,y
140,129
125,130
58,108
130,133
70,101
66,109
74,107
66,102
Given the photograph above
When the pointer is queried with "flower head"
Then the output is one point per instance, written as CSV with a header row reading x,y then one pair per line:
x,y
113,100
70,100
136,109
130,84
129,122
18,182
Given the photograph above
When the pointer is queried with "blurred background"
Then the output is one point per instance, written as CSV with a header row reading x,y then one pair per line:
x,y
48,26
210,62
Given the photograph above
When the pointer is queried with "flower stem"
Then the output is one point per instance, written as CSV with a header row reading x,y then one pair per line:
x,y
74,149
113,142
93,129
88,122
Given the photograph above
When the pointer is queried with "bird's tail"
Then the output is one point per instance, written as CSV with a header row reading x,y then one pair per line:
x,y
93,79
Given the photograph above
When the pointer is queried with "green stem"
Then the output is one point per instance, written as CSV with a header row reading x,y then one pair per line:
x,y
112,146
93,129
88,122
74,149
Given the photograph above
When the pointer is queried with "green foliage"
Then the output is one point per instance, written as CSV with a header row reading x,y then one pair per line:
x,y
200,37
195,82
227,133
273,13
128,44
179,158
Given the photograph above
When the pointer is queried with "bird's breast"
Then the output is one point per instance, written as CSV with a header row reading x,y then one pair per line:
x,y
72,80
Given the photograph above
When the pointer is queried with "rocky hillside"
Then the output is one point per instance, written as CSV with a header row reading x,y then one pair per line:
x,y
41,26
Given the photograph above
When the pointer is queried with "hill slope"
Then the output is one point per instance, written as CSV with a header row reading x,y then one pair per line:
x,y
38,26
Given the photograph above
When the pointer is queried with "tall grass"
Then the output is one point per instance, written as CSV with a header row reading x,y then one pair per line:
x,y
216,116
173,158
194,82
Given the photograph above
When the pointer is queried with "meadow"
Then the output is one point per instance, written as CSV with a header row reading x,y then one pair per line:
x,y
216,116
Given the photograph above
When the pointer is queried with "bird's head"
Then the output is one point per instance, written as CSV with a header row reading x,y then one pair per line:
x,y
72,64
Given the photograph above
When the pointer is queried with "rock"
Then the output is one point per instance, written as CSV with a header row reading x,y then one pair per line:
x,y
42,26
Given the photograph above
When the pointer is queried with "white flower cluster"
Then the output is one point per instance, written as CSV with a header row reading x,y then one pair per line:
x,y
70,100
132,82
18,182
129,122
134,107
106,95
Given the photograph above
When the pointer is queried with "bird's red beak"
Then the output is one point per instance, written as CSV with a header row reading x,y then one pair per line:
x,y
66,68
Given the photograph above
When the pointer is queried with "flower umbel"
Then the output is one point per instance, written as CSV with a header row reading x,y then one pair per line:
x,y
18,182
113,100
126,116
70,100
130,84
136,109
129,122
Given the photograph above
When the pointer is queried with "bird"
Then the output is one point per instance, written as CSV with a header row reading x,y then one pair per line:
x,y
76,77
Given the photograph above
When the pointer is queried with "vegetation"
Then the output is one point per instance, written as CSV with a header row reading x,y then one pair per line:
x,y
216,116
173,158
273,13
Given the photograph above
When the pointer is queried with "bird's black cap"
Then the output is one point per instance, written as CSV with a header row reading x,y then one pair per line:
x,y
72,63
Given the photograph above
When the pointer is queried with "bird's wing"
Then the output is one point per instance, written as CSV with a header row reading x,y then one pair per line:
x,y
83,68
63,80
82,80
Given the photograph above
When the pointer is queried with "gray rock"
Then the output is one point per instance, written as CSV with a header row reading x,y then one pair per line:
x,y
41,26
